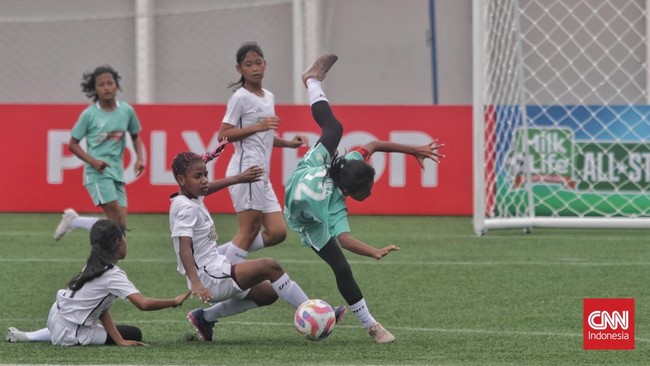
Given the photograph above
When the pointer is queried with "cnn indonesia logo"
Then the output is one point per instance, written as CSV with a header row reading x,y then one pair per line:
x,y
608,324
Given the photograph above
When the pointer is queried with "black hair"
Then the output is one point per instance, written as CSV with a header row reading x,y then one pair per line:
x,y
241,54
350,175
89,78
183,161
104,237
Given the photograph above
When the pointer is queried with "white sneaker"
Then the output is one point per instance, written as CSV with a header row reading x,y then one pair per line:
x,y
14,335
380,334
64,226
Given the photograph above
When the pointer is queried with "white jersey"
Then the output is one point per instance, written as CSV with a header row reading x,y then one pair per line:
x,y
190,218
84,306
246,109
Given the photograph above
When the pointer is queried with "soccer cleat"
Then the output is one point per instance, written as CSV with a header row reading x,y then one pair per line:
x,y
64,226
319,68
380,334
14,335
202,326
339,311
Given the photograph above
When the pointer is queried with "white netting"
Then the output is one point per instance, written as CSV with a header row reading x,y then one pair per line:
x,y
566,117
47,45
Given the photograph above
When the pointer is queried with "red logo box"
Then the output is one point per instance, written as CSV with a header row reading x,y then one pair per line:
x,y
608,324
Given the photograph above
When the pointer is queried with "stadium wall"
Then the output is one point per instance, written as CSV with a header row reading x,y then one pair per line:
x,y
40,175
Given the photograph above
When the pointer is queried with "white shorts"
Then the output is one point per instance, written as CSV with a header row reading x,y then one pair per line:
x,y
254,196
221,284
64,333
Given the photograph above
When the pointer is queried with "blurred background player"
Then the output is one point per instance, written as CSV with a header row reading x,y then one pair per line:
x,y
81,313
209,275
250,123
104,124
316,192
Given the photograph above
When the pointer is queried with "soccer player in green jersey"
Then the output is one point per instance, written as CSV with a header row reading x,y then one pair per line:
x,y
105,125
316,192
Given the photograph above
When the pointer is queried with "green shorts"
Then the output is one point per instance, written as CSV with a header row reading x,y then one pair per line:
x,y
313,232
107,190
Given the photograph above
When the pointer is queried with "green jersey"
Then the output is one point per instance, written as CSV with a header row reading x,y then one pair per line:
x,y
105,134
313,206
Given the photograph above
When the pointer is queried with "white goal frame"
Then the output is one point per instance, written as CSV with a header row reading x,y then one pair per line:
x,y
486,102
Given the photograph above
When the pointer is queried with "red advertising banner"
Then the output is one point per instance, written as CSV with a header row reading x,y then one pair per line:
x,y
39,174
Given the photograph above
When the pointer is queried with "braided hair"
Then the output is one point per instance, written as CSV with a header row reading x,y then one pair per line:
x,y
184,160
89,79
104,238
350,175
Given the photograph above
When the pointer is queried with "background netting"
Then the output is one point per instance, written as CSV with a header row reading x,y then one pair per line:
x,y
51,43
566,124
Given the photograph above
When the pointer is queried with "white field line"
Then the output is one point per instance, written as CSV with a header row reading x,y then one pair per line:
x,y
501,332
560,262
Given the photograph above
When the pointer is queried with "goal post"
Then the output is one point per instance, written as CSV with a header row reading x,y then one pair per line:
x,y
561,114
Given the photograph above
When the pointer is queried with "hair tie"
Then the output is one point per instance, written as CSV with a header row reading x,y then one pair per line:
x,y
210,155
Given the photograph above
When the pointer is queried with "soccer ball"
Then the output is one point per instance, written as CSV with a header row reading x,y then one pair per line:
x,y
315,319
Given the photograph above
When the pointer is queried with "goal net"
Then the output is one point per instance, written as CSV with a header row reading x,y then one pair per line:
x,y
561,114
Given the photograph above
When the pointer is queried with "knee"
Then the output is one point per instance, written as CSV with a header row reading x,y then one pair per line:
x,y
249,233
273,267
275,236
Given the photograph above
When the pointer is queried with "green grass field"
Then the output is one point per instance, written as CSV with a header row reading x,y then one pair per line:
x,y
449,297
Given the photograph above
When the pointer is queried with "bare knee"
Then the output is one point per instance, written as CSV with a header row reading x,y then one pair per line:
x,y
272,268
247,231
274,236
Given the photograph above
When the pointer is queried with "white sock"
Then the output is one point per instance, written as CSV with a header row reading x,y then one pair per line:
x,y
289,291
41,335
224,247
257,244
83,222
228,308
360,309
315,91
235,254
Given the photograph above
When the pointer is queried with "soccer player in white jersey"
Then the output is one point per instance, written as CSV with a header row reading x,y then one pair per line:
x,y
250,123
209,275
81,313
316,192
105,125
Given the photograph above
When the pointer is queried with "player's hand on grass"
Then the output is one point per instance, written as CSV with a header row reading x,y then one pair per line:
x,y
251,174
428,151
382,252
127,343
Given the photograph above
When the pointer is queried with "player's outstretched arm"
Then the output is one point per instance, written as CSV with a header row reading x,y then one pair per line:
x,y
296,142
358,247
429,151
147,303
251,174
